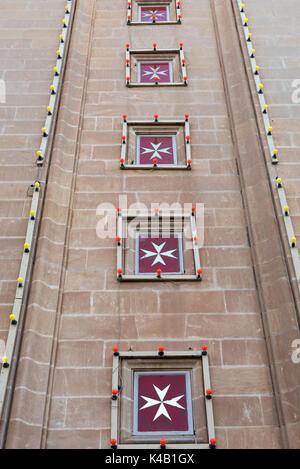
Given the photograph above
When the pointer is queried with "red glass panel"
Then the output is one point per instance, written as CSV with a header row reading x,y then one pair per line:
x,y
161,14
162,403
159,253
156,148
151,72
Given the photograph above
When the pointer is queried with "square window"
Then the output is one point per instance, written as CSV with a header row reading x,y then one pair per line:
x,y
158,252
160,148
162,403
160,246
154,12
162,395
150,72
156,67
151,12
156,144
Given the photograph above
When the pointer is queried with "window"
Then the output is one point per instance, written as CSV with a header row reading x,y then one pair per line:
x,y
155,67
158,252
161,148
162,403
162,395
153,12
148,72
160,246
156,144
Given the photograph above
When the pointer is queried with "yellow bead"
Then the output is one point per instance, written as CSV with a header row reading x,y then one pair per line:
x,y
12,317
32,213
26,245
270,129
37,184
4,359
285,208
293,239
20,280
279,180
48,108
39,153
275,152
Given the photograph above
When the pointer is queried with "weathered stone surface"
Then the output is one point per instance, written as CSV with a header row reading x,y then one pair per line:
x,y
243,310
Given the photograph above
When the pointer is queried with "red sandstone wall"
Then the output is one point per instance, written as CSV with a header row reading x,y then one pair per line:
x,y
29,33
62,396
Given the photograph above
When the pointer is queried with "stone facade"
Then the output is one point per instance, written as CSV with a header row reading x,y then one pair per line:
x,y
246,309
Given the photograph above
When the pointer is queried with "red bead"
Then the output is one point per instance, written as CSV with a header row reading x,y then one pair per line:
x,y
197,239
213,441
187,115
204,348
113,441
185,78
163,442
199,271
115,349
209,392
193,209
188,137
161,348
119,209
181,44
118,239
114,392
120,271
124,116
159,271
155,161
127,45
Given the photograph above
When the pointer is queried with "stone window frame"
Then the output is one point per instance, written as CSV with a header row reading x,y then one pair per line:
x,y
122,218
149,55
143,361
156,124
134,11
